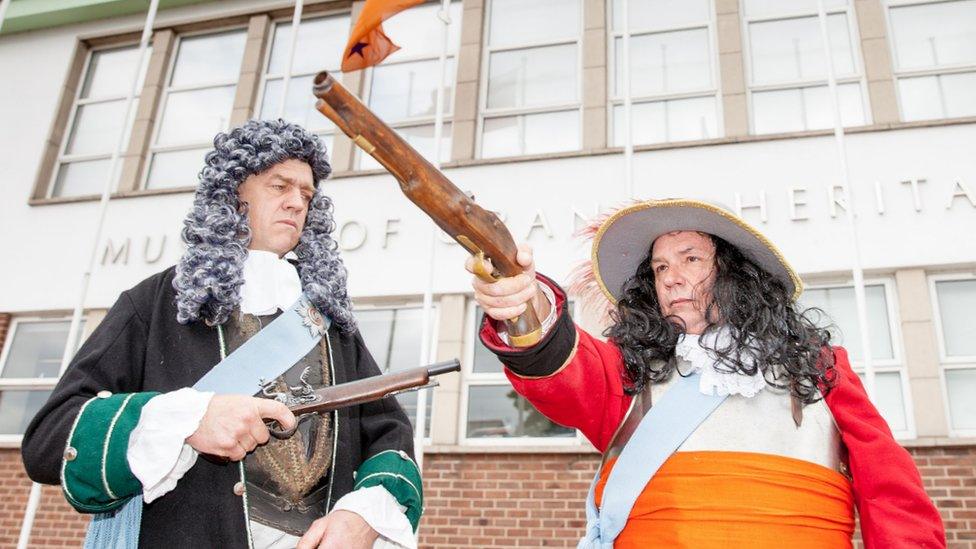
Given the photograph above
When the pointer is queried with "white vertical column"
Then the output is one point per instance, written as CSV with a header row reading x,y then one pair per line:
x,y
296,21
71,344
628,106
856,270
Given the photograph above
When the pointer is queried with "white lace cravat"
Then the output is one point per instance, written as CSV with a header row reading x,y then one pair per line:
x,y
270,283
714,381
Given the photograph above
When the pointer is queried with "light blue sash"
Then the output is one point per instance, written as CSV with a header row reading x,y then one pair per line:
x,y
267,355
662,430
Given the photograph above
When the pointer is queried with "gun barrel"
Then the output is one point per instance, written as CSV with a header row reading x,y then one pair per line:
x,y
444,367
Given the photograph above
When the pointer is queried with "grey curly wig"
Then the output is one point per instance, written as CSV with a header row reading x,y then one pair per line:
x,y
209,276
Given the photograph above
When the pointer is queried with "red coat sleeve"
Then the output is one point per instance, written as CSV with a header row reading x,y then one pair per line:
x,y
573,378
892,504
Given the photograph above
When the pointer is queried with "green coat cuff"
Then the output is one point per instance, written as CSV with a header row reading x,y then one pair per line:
x,y
95,474
396,472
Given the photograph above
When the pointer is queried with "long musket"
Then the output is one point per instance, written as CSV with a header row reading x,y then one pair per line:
x,y
326,399
479,231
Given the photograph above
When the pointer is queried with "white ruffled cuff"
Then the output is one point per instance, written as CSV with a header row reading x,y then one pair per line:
x,y
383,513
547,322
158,454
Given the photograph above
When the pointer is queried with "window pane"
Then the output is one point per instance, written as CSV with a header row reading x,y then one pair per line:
x,y
175,169
408,90
497,411
533,77
840,306
418,32
110,73
36,349
661,121
805,109
195,116
210,59
393,337
514,22
889,399
298,108
961,386
81,178
97,125
792,49
934,35
531,134
420,138
319,46
665,63
756,8
957,301
17,408
920,98
960,94
661,14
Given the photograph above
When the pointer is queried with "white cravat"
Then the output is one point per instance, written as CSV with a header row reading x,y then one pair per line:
x,y
159,456
715,381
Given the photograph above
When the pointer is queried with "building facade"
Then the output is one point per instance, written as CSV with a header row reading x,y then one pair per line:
x,y
730,104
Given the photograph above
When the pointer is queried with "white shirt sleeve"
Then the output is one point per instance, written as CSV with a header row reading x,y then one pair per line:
x,y
547,322
158,454
377,506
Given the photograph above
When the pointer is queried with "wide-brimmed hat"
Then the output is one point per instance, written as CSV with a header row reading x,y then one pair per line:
x,y
623,238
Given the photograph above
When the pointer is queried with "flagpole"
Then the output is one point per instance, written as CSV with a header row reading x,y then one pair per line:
x,y
428,307
856,269
34,499
628,104
296,21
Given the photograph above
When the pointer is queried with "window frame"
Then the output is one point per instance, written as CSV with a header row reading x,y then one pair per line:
x,y
25,383
484,113
947,362
471,379
418,121
896,364
859,77
72,120
434,331
166,89
937,72
715,92
266,76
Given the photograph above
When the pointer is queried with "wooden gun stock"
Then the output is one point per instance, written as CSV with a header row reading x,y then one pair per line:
x,y
479,231
364,390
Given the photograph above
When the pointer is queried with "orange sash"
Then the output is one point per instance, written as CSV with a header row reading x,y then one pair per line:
x,y
739,499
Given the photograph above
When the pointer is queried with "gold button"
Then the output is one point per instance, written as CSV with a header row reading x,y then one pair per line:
x,y
70,453
104,394
239,489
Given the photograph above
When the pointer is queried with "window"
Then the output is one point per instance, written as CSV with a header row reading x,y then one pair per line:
x,y
96,120
29,368
955,297
196,104
491,409
934,50
393,337
787,68
891,395
531,97
318,47
402,91
672,71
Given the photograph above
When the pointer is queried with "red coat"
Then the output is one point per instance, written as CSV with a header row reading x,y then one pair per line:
x,y
576,380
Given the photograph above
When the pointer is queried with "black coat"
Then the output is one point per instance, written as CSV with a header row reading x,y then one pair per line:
x,y
139,346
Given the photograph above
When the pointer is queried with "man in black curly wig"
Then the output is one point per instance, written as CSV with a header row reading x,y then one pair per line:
x,y
123,429
760,433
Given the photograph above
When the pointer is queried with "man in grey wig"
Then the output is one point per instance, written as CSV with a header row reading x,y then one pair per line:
x,y
125,426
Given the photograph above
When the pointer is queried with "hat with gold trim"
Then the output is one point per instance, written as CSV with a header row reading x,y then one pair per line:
x,y
622,239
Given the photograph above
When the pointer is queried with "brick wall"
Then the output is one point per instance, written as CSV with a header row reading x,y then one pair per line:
x,y
497,500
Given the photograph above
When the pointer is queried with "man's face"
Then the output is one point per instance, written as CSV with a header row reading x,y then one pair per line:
x,y
277,202
684,272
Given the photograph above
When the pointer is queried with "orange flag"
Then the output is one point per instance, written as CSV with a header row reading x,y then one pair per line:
x,y
368,45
